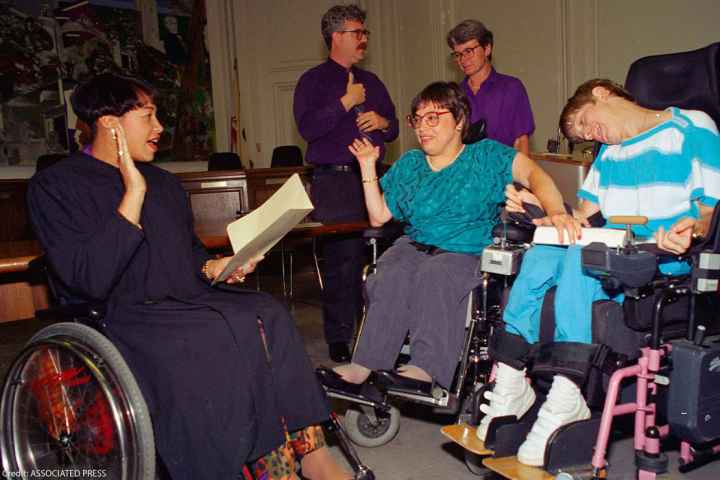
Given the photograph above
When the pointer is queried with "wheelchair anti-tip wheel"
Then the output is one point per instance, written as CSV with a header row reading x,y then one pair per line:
x,y
366,431
71,406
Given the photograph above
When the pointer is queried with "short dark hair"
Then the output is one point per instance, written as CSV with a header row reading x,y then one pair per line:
x,y
335,18
448,95
582,96
470,30
109,94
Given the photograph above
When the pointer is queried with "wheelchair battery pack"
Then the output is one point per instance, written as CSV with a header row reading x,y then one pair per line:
x,y
502,260
694,394
632,269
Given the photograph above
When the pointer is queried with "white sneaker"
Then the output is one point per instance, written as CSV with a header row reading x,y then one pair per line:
x,y
564,404
512,395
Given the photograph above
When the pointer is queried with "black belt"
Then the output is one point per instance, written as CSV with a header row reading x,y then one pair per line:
x,y
429,249
352,168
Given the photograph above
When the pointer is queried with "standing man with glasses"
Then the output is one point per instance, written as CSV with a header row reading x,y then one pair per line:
x,y
500,100
335,103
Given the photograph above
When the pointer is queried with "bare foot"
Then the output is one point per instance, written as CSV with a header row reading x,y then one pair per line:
x,y
319,465
353,373
414,372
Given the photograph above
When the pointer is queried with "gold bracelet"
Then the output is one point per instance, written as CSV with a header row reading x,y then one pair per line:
x,y
370,180
205,269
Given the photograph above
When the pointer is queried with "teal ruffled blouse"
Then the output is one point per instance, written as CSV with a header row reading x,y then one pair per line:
x,y
454,208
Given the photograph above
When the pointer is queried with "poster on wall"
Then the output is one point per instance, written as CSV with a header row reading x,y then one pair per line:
x,y
50,46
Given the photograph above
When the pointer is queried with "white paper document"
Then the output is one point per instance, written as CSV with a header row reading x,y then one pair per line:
x,y
612,237
258,231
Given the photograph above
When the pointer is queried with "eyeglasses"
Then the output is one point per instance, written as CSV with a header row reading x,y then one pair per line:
x,y
359,32
465,53
432,119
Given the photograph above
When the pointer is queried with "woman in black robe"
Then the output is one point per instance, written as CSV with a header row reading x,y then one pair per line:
x,y
118,230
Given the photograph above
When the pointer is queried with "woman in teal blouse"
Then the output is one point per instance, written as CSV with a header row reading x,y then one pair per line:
x,y
449,194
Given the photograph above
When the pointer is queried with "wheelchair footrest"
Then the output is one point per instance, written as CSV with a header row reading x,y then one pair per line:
x,y
363,394
510,467
571,446
506,434
428,393
466,436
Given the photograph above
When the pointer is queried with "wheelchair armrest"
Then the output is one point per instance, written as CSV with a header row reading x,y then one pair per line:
x,y
388,232
618,267
74,311
514,232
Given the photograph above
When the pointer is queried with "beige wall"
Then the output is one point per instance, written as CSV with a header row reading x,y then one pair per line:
x,y
552,45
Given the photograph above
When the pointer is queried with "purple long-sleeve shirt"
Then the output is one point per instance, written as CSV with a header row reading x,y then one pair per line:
x,y
323,121
503,103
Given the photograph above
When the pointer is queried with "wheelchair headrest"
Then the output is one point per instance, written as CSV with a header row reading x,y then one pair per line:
x,y
475,133
685,79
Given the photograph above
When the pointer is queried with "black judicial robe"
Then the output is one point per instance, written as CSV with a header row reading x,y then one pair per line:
x,y
215,395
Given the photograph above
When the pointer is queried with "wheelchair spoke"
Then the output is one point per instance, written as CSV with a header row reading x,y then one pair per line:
x,y
71,401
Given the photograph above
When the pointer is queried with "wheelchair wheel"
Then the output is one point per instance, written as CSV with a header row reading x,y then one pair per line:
x,y
71,406
366,432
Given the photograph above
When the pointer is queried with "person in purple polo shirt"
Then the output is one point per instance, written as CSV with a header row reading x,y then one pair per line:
x,y
500,100
335,103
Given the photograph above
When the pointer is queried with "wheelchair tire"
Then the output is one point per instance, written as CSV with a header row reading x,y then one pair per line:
x,y
363,432
69,405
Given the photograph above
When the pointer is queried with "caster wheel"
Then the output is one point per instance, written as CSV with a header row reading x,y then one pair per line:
x,y
365,432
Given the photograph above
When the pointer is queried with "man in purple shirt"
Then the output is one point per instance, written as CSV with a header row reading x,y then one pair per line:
x,y
335,103
500,100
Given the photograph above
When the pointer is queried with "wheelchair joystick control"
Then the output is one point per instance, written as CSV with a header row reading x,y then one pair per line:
x,y
699,335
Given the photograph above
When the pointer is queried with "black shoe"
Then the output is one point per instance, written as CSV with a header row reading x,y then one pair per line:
x,y
334,384
339,352
391,380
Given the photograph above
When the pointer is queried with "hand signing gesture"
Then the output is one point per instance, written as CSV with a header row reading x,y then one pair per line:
x,y
370,121
135,187
365,152
133,179
354,93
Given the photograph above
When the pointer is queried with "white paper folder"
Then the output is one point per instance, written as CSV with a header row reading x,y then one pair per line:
x,y
258,231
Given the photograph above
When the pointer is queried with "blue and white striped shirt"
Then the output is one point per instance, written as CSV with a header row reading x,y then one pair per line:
x,y
659,174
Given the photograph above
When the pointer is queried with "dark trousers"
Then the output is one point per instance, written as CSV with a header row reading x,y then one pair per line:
x,y
426,295
338,197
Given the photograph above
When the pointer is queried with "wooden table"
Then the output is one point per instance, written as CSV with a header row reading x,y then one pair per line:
x,y
16,256
20,296
214,236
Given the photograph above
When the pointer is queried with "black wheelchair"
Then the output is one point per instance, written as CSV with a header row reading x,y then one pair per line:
x,y
71,406
652,356
373,419
70,402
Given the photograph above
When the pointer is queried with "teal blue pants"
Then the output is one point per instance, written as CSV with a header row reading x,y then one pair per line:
x,y
544,267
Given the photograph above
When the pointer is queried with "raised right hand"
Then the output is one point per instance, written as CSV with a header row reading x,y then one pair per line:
x,y
365,152
354,92
132,178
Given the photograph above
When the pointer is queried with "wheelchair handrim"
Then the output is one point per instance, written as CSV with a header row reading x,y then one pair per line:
x,y
15,397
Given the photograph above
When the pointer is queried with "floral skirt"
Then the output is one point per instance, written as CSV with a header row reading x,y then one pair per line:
x,y
282,463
